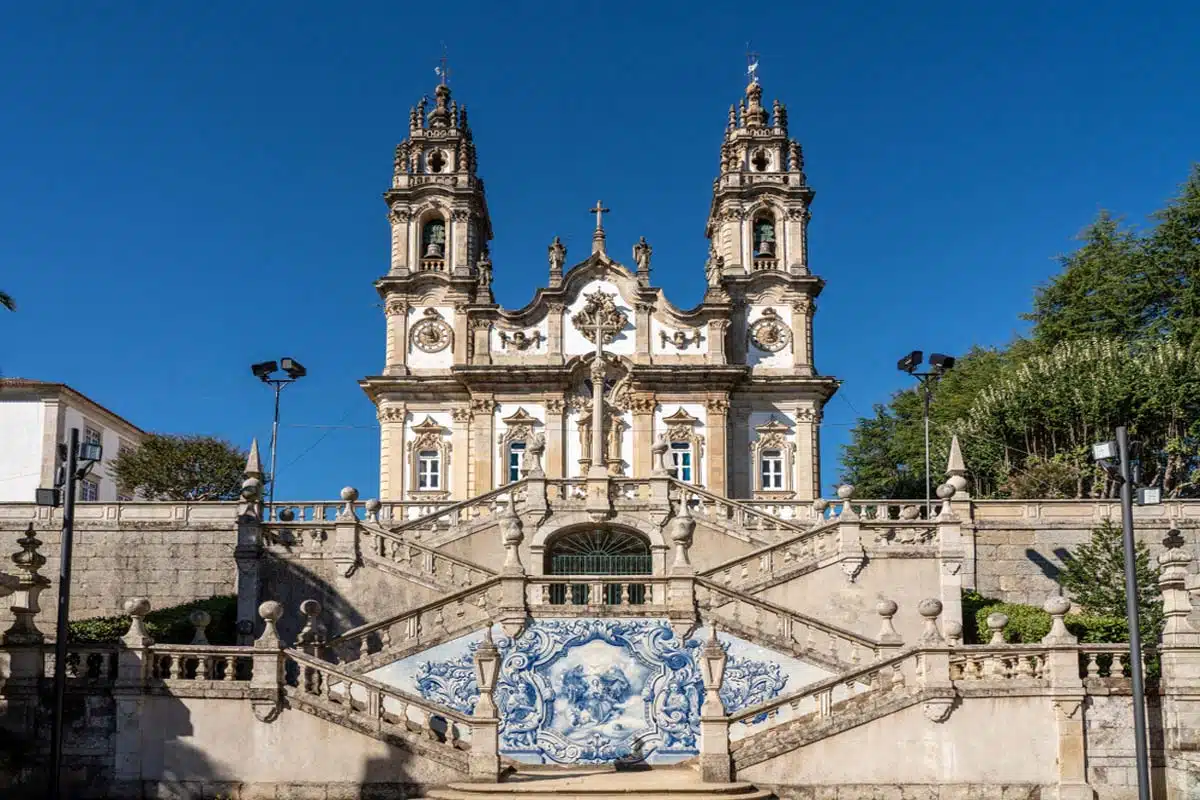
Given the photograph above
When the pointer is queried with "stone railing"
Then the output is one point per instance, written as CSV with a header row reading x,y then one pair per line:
x,y
91,664
135,513
486,505
776,560
802,635
173,665
1008,663
375,707
735,514
414,558
640,595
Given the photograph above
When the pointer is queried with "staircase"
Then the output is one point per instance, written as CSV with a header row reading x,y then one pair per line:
x,y
569,783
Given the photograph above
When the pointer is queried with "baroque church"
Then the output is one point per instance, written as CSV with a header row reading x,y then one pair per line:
x,y
599,373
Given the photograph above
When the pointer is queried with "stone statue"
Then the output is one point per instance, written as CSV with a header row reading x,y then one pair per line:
x,y
641,256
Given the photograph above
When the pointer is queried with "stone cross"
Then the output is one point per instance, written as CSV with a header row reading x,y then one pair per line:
x,y
599,210
599,316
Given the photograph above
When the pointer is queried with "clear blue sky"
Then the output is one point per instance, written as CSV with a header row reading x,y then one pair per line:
x,y
191,187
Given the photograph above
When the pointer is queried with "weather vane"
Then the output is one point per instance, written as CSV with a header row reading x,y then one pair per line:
x,y
751,64
443,71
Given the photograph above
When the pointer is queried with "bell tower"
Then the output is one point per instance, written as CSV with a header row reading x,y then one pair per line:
x,y
436,204
759,215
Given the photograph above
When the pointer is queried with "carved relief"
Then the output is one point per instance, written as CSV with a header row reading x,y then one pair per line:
x,y
520,340
717,405
430,437
396,307
643,404
555,405
769,333
392,414
772,454
808,415
680,339
460,414
600,310
431,334
482,405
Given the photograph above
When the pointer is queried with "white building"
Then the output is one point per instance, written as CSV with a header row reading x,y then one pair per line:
x,y
34,416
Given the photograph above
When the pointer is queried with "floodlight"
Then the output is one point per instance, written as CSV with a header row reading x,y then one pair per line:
x,y
1104,451
47,497
263,370
90,451
1149,496
293,368
940,362
910,361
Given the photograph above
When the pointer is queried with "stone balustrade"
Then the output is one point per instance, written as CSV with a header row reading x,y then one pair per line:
x,y
608,595
418,559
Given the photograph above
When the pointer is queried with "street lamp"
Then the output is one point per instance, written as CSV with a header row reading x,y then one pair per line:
x,y
263,371
1113,458
938,365
75,461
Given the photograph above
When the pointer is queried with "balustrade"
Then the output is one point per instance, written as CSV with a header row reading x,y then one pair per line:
x,y
998,663
595,591
420,560
91,664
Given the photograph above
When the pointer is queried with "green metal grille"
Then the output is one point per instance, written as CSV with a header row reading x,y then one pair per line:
x,y
599,552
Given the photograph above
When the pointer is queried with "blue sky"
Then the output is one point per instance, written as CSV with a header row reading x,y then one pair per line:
x,y
190,187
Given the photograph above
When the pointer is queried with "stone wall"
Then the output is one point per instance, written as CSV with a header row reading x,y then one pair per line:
x,y
169,552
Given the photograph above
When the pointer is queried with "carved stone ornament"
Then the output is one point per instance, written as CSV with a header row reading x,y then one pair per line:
x,y
431,333
938,709
717,405
519,427
769,333
601,310
520,340
396,307
680,339
392,414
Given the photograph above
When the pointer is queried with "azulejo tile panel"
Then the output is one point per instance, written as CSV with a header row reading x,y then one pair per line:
x,y
590,691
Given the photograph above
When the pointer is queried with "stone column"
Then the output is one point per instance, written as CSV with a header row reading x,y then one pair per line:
x,y
247,553
23,641
266,680
950,556
456,257
396,355
483,444
1180,683
642,327
1067,695
554,333
794,238
133,667
643,434
555,438
462,330
934,674
802,330
512,574
807,477
345,535
716,764
460,446
681,595
399,219
392,420
716,340
481,346
740,483
716,428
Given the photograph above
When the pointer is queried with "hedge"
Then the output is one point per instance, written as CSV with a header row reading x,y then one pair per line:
x,y
166,625
1028,624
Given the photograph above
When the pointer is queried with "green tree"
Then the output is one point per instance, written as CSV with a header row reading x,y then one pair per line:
x,y
1174,249
7,302
170,467
1094,577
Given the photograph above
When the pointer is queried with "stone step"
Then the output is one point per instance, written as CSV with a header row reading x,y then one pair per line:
x,y
600,784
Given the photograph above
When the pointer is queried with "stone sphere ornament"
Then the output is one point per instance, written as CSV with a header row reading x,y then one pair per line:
x,y
310,608
1057,605
271,610
845,491
287,515
997,621
929,608
200,618
886,608
137,606
946,491
349,494
373,506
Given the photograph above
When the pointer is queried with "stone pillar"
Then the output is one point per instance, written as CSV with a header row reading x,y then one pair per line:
x,y
396,355
950,556
462,332
29,587
716,340
642,326
889,640
851,552
483,445
266,680
793,256
133,668
1180,683
1067,696
460,446
457,259
934,669
643,434
807,469
247,553
802,335
555,438
392,420
681,591
554,333
399,218
716,426
512,573
481,345
345,535
716,764
741,483
483,762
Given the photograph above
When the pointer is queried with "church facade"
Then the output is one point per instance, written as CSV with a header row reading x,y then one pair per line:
x,y
727,391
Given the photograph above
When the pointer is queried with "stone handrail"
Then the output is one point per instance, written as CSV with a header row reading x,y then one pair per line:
x,y
190,662
598,591
90,663
471,607
410,556
736,512
818,700
1109,660
473,508
812,544
825,642
380,708
1016,662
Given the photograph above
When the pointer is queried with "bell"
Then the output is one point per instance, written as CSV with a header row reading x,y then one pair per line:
x,y
434,250
766,248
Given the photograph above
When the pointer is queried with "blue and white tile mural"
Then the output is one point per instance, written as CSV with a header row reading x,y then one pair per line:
x,y
589,691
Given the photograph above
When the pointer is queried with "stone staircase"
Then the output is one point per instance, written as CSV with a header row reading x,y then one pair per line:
x,y
569,783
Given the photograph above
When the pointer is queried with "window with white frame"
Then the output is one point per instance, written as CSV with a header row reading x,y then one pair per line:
x,y
771,469
429,470
516,452
89,490
679,465
92,435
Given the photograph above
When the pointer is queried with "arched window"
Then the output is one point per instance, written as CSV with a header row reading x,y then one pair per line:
x,y
433,239
598,551
764,236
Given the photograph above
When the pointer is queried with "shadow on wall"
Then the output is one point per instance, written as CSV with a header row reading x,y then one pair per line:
x,y
1048,567
290,583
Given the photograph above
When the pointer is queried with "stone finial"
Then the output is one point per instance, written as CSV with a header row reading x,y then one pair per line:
x,y
680,531
30,584
271,612
252,486
712,672
845,492
1057,607
956,469
659,452
313,632
512,533
886,609
137,636
200,620
996,622
349,495
531,462
954,632
931,609
1172,584
946,492
819,506
373,506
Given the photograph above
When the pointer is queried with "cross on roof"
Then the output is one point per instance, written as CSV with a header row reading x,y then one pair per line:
x,y
598,211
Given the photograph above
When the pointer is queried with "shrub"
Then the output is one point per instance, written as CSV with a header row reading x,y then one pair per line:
x,y
166,625
1027,624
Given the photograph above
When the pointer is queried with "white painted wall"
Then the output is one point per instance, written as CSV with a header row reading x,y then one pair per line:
x,y
21,425
658,347
577,342
110,441
764,358
539,348
418,358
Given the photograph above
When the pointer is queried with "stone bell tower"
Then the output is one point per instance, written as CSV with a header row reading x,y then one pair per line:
x,y
759,216
436,203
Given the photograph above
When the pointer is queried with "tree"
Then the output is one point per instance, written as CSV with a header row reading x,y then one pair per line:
x,y
7,302
1094,577
170,467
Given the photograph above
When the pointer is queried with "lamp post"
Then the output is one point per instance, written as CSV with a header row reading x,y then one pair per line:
x,y
263,371
1113,458
938,365
69,471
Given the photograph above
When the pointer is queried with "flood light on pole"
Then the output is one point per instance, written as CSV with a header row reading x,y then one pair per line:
x,y
265,372
939,364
